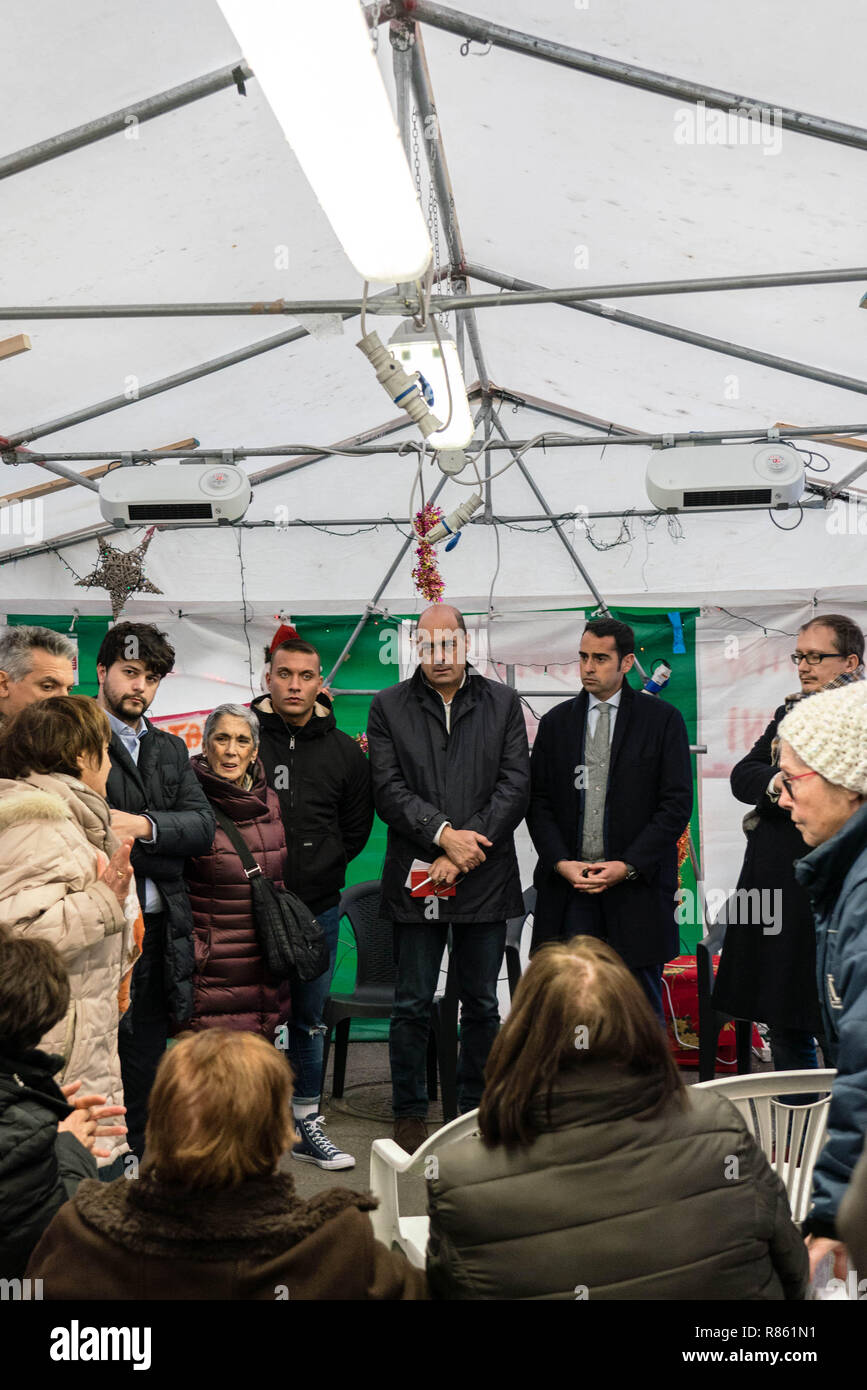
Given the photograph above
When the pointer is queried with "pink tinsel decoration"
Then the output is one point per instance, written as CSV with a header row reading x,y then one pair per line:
x,y
427,578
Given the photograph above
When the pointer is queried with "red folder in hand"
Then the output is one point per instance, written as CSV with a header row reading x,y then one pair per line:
x,y
421,886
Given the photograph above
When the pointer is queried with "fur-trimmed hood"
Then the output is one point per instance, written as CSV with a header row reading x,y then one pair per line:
x,y
56,796
19,803
259,1220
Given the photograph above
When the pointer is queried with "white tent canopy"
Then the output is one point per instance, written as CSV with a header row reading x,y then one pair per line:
x,y
561,179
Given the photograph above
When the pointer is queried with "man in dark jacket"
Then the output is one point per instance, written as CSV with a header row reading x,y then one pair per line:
x,y
448,752
770,975
611,796
322,781
823,762
156,798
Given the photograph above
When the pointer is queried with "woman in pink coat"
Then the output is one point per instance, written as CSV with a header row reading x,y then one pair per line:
x,y
231,988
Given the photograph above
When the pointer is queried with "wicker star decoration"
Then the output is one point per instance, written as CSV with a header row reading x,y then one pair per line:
x,y
121,572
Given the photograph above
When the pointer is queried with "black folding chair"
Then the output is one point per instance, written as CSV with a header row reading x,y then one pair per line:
x,y
373,997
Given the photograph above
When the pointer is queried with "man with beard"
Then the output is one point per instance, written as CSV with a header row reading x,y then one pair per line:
x,y
157,799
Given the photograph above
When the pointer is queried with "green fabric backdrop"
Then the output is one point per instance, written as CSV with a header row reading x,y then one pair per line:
x,y
368,667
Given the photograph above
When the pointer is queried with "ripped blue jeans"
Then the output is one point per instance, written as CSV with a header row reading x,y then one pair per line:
x,y
306,1040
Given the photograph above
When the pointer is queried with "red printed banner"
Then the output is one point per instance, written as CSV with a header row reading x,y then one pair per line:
x,y
189,727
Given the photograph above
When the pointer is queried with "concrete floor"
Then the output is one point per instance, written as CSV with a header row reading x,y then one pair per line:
x,y
364,1114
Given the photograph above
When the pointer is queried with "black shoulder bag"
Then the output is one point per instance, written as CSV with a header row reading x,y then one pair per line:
x,y
292,942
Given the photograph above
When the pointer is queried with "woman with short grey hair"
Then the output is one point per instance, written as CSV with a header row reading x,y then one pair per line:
x,y
230,985
234,712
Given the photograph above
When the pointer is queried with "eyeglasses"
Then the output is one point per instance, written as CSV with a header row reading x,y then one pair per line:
x,y
787,781
813,658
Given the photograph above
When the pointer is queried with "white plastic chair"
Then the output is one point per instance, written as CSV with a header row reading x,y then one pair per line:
x,y
388,1161
783,1130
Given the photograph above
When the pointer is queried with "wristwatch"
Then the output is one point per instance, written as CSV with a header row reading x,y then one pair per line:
x,y
631,872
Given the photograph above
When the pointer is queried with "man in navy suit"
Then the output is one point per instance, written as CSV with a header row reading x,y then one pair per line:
x,y
611,794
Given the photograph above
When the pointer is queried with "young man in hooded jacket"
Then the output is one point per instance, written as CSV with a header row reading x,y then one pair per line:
x,y
322,781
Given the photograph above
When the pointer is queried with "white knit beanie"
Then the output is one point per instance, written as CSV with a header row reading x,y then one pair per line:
x,y
828,732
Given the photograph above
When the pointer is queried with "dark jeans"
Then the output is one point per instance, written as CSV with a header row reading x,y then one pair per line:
x,y
306,1032
141,1039
793,1049
478,953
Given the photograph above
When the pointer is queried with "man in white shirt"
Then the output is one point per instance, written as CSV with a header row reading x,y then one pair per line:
x,y
611,795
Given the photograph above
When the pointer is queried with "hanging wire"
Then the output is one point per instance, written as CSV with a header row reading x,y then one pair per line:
x,y
244,610
789,528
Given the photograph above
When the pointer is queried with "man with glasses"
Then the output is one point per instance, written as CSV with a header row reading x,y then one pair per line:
x,y
767,972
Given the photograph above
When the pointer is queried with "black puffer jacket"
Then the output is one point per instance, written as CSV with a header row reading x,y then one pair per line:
x,y
39,1168
322,781
164,787
477,777
607,1205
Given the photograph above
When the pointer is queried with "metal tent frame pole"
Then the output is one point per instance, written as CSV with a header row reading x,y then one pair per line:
x,y
93,532
561,534
407,305
439,173
155,388
371,606
134,114
682,335
469,26
545,441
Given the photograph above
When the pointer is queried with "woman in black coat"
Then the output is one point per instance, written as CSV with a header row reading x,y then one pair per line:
x,y
768,968
46,1144
767,971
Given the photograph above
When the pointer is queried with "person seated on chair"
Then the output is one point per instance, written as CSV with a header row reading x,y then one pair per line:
x,y
211,1216
596,1173
47,1132
823,761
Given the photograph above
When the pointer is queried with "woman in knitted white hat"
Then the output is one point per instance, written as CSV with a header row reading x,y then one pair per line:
x,y
823,760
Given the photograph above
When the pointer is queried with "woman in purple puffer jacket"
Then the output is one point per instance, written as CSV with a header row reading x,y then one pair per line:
x,y
230,985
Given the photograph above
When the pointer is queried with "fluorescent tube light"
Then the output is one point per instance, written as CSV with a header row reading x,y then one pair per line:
x,y
317,70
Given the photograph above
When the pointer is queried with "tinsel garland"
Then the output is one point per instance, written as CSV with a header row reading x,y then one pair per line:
x,y
426,576
682,852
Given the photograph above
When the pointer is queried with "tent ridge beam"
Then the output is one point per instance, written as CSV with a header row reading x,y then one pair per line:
x,y
132,115
682,335
469,26
552,441
391,306
94,532
169,383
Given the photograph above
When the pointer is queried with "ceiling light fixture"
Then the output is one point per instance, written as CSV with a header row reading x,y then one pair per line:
x,y
319,74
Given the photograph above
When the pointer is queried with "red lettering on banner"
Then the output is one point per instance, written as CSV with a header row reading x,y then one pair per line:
x,y
754,726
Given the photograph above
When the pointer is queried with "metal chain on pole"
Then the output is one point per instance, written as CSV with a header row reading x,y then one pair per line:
x,y
432,206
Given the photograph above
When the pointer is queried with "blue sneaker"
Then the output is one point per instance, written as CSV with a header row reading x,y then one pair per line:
x,y
313,1147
